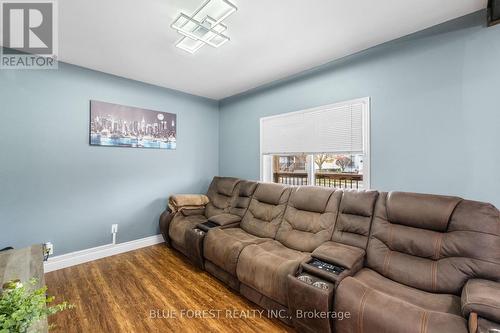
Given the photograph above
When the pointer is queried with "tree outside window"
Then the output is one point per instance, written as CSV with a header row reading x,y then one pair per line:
x,y
328,169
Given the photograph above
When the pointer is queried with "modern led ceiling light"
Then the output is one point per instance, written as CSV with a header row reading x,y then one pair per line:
x,y
204,27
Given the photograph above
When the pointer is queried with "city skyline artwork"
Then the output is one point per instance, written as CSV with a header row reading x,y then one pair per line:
x,y
117,125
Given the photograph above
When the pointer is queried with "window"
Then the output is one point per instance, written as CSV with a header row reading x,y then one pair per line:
x,y
290,169
324,146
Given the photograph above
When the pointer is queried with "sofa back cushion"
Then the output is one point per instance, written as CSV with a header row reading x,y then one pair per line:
x,y
309,218
434,243
355,218
241,201
265,212
221,193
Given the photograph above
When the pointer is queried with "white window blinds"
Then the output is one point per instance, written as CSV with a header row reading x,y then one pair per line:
x,y
335,128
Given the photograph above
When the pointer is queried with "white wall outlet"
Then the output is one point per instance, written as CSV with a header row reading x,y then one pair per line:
x,y
49,248
114,228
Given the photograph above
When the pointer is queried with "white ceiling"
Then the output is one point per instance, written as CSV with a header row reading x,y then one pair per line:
x,y
270,39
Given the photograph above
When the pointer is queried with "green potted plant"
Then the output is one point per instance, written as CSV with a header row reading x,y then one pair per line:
x,y
23,306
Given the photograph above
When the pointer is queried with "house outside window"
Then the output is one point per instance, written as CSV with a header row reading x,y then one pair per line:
x,y
326,146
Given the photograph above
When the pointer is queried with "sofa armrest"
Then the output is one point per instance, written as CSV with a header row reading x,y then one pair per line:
x,y
221,221
350,258
180,202
225,219
339,254
481,297
193,211
165,219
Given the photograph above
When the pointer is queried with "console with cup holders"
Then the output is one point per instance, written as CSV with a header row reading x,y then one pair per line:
x,y
310,300
394,261
341,256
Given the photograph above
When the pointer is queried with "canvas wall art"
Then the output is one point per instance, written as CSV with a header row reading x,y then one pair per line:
x,y
125,126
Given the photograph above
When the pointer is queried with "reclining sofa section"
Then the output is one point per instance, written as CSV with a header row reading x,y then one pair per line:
x,y
394,261
221,193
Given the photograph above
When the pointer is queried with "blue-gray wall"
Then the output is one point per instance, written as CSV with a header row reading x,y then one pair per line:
x,y
55,187
435,110
435,129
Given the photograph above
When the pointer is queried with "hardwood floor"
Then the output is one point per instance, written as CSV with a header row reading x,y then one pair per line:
x,y
129,291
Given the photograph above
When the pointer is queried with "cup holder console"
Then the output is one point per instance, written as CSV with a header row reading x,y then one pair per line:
x,y
199,232
206,226
315,282
310,294
326,266
312,289
305,278
194,246
321,285
210,225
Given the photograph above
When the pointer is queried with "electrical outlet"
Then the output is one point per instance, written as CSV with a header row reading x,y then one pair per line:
x,y
114,228
49,248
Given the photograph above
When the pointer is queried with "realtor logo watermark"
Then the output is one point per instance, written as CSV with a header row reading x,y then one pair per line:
x,y
29,34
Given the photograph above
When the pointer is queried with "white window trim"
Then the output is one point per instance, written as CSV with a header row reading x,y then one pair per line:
x,y
366,101
310,170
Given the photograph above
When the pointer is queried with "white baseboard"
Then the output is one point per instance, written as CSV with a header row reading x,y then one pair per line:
x,y
79,257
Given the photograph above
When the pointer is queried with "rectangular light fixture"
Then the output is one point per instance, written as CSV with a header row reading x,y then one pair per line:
x,y
204,27
189,45
207,31
216,9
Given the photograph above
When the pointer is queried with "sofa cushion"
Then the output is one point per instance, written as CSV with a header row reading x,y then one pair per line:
x,y
309,218
241,202
180,224
373,301
265,268
266,209
270,193
223,246
424,211
311,198
355,218
221,192
225,185
420,254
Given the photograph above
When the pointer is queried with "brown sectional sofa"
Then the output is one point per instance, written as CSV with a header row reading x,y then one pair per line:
x,y
423,249
222,247
305,225
395,262
222,194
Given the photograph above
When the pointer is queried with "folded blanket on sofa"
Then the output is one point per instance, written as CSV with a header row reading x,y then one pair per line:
x,y
187,201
